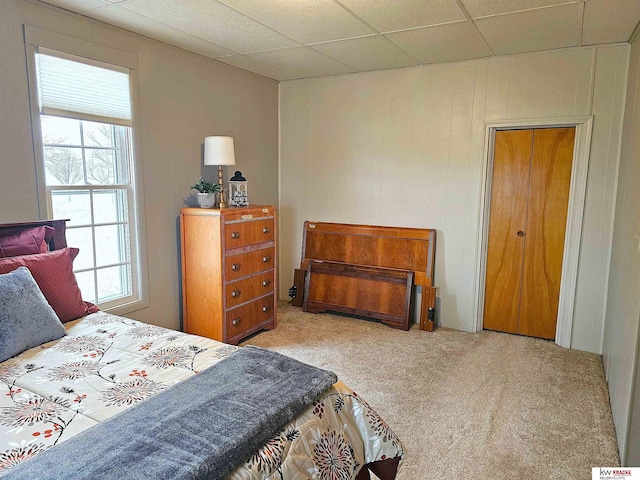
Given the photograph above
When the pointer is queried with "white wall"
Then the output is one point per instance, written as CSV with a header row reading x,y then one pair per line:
x,y
405,147
621,341
183,97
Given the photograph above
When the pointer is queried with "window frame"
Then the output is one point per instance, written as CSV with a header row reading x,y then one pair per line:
x,y
99,55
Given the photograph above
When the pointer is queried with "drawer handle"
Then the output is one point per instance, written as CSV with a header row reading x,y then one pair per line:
x,y
266,283
235,267
235,234
266,308
236,321
236,293
266,259
266,230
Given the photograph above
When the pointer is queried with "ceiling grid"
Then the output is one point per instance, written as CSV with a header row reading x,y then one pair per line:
x,y
291,39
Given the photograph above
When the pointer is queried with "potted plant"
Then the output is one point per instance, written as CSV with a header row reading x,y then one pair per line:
x,y
206,193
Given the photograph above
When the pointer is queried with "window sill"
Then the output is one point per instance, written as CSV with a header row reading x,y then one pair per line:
x,y
126,308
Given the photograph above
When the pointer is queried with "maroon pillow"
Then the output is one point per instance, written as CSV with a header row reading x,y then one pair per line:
x,y
27,242
49,232
53,272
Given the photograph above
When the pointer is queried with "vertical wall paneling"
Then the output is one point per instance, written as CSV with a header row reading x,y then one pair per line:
x,y
621,330
316,131
497,99
588,297
527,73
475,199
458,178
608,106
294,175
430,153
585,81
20,190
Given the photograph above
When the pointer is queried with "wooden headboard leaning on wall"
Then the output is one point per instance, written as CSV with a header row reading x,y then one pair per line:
x,y
394,248
59,239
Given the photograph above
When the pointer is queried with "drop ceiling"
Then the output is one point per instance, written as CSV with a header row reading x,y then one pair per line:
x,y
291,39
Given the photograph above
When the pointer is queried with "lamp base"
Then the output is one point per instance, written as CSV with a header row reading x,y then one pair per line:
x,y
222,203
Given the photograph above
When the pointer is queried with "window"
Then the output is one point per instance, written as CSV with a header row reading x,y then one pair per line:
x,y
88,156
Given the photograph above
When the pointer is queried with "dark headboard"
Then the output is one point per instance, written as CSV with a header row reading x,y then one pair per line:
x,y
59,239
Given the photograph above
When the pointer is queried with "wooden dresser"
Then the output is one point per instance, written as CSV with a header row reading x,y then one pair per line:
x,y
228,271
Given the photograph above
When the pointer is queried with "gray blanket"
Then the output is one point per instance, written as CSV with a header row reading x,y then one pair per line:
x,y
201,428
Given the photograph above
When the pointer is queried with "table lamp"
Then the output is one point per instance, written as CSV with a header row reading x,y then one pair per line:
x,y
218,150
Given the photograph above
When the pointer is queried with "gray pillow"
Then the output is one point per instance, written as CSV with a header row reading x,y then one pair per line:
x,y
26,319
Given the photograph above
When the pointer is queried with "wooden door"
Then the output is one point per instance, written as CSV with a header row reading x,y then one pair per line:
x,y
529,200
509,197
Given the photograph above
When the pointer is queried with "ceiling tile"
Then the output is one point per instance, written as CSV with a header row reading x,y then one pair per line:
x,y
328,21
264,36
78,6
118,16
247,63
532,30
302,61
483,8
442,43
607,22
212,21
366,53
404,14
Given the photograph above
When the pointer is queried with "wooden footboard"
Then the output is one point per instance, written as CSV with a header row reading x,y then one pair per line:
x,y
375,292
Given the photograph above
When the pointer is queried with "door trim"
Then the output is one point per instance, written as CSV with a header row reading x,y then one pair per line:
x,y
577,191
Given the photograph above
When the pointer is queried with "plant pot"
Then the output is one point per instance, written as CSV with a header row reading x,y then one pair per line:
x,y
206,200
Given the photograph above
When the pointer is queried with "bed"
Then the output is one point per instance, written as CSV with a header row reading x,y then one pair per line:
x,y
103,365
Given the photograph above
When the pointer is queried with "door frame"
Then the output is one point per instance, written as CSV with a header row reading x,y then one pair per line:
x,y
575,210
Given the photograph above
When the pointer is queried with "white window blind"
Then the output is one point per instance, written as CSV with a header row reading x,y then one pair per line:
x,y
80,90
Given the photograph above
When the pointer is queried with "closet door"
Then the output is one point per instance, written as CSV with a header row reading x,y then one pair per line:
x,y
546,226
529,200
509,197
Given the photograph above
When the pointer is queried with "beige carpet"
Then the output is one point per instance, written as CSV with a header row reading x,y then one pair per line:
x,y
466,405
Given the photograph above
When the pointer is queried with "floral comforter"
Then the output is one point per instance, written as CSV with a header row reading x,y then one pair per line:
x,y
106,364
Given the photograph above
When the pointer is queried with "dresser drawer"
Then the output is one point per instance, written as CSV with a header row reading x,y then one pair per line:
x,y
244,264
241,319
241,234
244,290
249,213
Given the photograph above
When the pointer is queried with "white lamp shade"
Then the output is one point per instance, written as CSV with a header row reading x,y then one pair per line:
x,y
219,151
